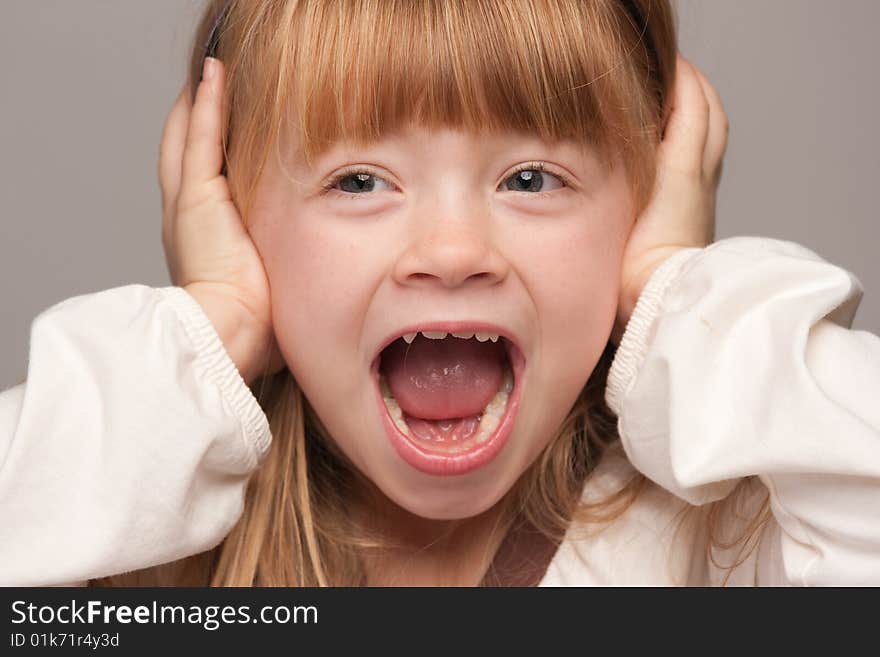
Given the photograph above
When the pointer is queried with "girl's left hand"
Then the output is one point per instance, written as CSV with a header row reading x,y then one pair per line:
x,y
681,213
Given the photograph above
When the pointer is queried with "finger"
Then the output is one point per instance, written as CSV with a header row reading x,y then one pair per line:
x,y
171,149
203,152
719,128
684,140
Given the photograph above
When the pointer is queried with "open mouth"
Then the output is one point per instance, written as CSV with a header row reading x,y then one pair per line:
x,y
449,401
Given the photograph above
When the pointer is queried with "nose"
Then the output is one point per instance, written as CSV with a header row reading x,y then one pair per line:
x,y
450,252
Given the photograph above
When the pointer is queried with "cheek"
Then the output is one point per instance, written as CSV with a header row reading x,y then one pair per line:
x,y
317,303
286,263
586,271
573,281
291,258
578,306
575,286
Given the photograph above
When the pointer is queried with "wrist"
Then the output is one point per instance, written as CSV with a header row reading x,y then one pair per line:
x,y
633,283
237,331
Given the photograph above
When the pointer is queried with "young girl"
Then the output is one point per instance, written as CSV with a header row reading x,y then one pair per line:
x,y
447,311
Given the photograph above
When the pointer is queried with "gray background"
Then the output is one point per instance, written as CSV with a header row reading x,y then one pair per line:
x,y
86,86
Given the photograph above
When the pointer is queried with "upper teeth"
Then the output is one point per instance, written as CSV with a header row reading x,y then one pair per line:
x,y
439,335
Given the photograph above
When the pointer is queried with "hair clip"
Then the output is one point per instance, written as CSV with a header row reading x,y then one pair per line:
x,y
214,35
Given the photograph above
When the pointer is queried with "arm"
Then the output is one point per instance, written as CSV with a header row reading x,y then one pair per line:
x,y
129,445
738,361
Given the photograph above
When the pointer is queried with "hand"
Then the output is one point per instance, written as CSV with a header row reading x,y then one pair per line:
x,y
681,213
207,248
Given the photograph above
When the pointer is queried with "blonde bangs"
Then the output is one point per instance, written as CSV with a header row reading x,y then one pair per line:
x,y
363,70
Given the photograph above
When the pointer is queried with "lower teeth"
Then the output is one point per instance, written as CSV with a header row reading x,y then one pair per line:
x,y
491,416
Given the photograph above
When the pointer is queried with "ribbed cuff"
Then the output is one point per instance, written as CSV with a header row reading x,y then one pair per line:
x,y
634,343
222,371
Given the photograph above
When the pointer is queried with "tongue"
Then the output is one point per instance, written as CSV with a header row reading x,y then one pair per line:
x,y
443,385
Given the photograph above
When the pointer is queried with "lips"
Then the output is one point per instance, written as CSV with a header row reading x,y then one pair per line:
x,y
443,463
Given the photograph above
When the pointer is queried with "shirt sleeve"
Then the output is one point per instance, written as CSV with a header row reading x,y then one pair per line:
x,y
130,443
739,360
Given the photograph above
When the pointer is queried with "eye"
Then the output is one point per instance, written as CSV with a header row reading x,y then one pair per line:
x,y
354,182
532,177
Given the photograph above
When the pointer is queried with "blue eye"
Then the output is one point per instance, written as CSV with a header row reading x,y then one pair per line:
x,y
531,178
528,178
356,181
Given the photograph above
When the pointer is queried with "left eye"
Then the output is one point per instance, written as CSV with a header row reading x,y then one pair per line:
x,y
532,180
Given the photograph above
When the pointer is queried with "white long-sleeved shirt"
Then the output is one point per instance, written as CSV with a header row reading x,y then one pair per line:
x,y
132,440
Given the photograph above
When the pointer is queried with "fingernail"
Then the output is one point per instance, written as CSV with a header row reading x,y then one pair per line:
x,y
209,69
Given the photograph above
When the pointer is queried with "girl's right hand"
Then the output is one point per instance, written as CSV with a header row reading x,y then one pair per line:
x,y
207,248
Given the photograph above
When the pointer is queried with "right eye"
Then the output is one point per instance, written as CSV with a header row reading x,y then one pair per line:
x,y
354,182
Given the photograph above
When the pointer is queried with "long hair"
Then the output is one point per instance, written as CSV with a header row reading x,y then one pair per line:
x,y
597,71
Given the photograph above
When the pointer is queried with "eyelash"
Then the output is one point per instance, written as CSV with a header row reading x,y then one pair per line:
x,y
527,166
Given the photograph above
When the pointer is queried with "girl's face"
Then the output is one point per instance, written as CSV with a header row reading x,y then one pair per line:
x,y
433,226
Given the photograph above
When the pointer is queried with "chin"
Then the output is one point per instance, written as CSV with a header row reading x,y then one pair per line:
x,y
456,502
